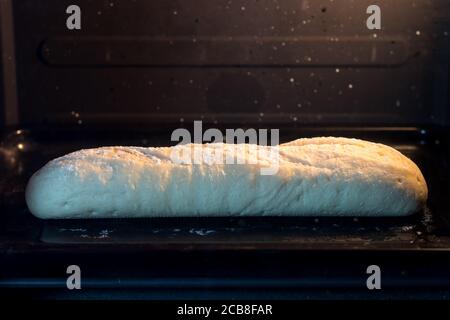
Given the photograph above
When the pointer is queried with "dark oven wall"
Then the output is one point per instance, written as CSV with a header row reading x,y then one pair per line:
x,y
291,62
2,97
8,90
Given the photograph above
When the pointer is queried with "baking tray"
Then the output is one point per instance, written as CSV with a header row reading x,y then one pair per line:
x,y
429,228
209,246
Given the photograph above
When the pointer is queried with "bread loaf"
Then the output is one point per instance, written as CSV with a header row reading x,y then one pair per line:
x,y
316,177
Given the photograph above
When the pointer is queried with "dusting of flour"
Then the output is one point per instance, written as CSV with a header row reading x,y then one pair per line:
x,y
317,177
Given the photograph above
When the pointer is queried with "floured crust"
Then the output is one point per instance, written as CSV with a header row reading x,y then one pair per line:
x,y
316,177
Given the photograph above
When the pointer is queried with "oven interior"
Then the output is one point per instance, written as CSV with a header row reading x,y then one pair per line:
x,y
136,71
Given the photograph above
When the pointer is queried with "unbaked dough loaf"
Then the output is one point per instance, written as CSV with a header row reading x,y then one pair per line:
x,y
316,177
